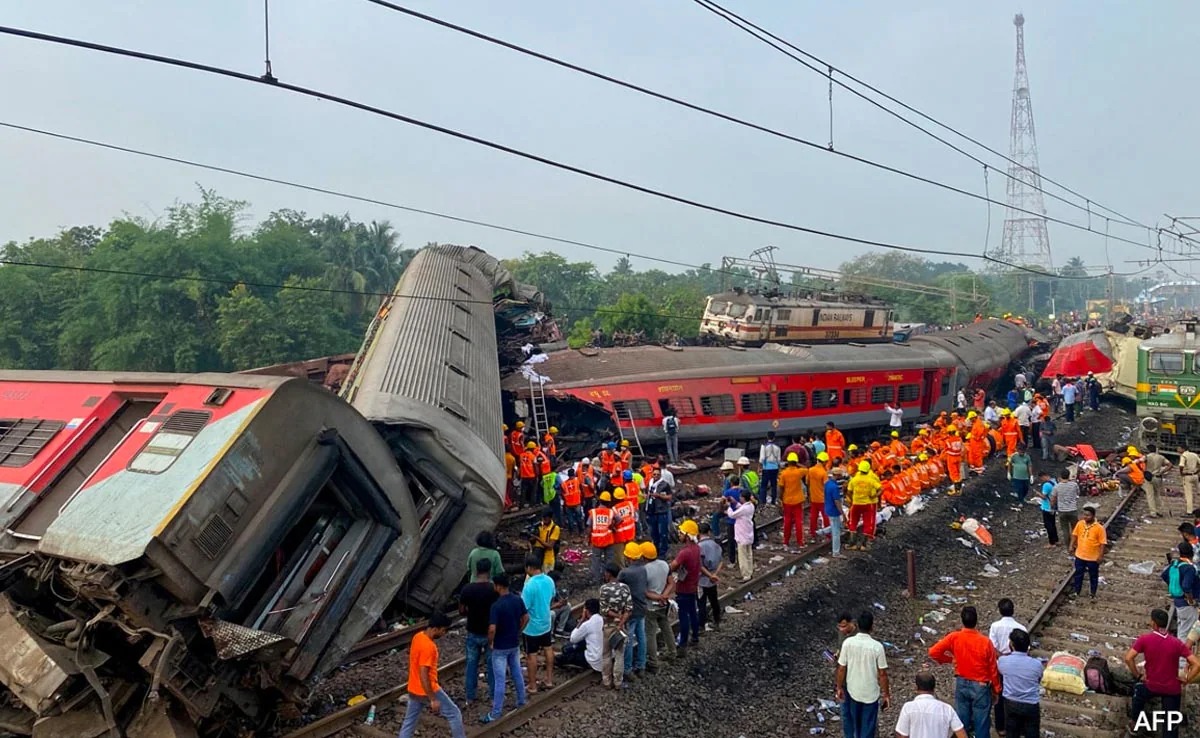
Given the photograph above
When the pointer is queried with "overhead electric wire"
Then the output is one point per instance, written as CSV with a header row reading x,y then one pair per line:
x,y
725,116
773,40
271,82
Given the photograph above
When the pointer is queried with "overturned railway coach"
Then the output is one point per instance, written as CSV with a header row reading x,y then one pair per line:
x,y
730,393
215,541
427,377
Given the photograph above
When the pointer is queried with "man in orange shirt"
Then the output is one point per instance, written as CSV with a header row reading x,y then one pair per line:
x,y
1088,541
977,681
423,688
835,442
954,458
815,477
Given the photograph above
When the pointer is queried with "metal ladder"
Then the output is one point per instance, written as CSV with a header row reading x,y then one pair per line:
x,y
537,410
627,416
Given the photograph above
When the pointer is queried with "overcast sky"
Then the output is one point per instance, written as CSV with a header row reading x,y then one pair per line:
x,y
1112,87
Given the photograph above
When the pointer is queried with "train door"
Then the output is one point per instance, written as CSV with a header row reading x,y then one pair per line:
x,y
929,390
869,319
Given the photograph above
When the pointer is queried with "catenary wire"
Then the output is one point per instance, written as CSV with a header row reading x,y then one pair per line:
x,y
365,107
746,25
827,148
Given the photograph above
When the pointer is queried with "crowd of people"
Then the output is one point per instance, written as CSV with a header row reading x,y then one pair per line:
x,y
622,508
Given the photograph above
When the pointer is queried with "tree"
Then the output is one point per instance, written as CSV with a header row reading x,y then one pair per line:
x,y
249,334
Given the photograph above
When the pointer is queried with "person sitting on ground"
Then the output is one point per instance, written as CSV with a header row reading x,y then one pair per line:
x,y
587,640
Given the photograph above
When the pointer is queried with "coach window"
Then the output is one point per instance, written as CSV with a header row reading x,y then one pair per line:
x,y
169,442
635,409
791,402
783,314
910,393
756,403
685,407
824,399
21,440
945,385
716,405
1166,362
855,396
882,394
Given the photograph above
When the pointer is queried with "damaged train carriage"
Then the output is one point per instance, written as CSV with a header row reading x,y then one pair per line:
x,y
180,552
427,377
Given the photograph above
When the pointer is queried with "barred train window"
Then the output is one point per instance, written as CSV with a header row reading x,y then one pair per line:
x,y
756,403
881,394
792,401
716,405
910,392
636,409
23,439
824,398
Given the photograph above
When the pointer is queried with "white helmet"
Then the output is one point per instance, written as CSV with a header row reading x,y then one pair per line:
x,y
743,461
727,466
586,461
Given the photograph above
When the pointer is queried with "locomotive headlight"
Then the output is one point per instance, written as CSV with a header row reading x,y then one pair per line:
x,y
1187,390
1150,424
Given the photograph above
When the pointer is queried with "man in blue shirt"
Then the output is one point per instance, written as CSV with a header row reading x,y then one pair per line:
x,y
537,596
1069,400
833,509
1042,495
769,458
1180,576
1022,675
505,621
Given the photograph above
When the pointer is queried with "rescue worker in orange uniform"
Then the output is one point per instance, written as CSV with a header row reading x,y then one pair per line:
x,y
625,523
919,442
588,481
897,446
527,470
976,443
835,442
1011,430
600,522
549,445
817,475
995,440
954,461
572,498
791,495
625,458
853,457
608,459
516,438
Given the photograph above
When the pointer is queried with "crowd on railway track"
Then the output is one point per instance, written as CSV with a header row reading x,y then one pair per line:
x,y
623,510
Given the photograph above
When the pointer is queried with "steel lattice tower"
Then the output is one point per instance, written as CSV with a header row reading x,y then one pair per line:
x,y
1026,240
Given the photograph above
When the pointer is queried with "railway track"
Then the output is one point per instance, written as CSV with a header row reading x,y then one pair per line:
x,y
352,717
1109,624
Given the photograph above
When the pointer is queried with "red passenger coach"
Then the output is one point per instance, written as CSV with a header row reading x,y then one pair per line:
x,y
198,532
734,393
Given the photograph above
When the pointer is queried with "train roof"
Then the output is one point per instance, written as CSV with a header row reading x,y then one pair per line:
x,y
1178,338
205,379
785,300
575,368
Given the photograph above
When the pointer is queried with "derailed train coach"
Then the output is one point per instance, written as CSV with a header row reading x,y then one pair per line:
x,y
427,377
180,552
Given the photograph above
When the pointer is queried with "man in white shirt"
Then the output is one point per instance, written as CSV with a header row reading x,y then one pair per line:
x,y
587,640
1023,416
991,414
862,680
999,634
897,416
926,716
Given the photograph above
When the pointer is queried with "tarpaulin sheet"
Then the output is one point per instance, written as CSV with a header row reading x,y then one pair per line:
x,y
1079,354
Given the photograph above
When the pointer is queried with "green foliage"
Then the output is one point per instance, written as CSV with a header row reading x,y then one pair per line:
x,y
115,315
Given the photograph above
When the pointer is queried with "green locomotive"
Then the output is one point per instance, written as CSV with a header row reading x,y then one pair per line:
x,y
1168,388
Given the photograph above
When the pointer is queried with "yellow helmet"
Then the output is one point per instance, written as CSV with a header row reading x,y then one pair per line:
x,y
952,431
793,458
553,430
822,456
972,414
864,466
520,424
605,497
1006,411
619,493
689,528
633,551
624,443
649,550
922,457
1132,451
504,427
1126,460
923,432
895,434
531,445
853,447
